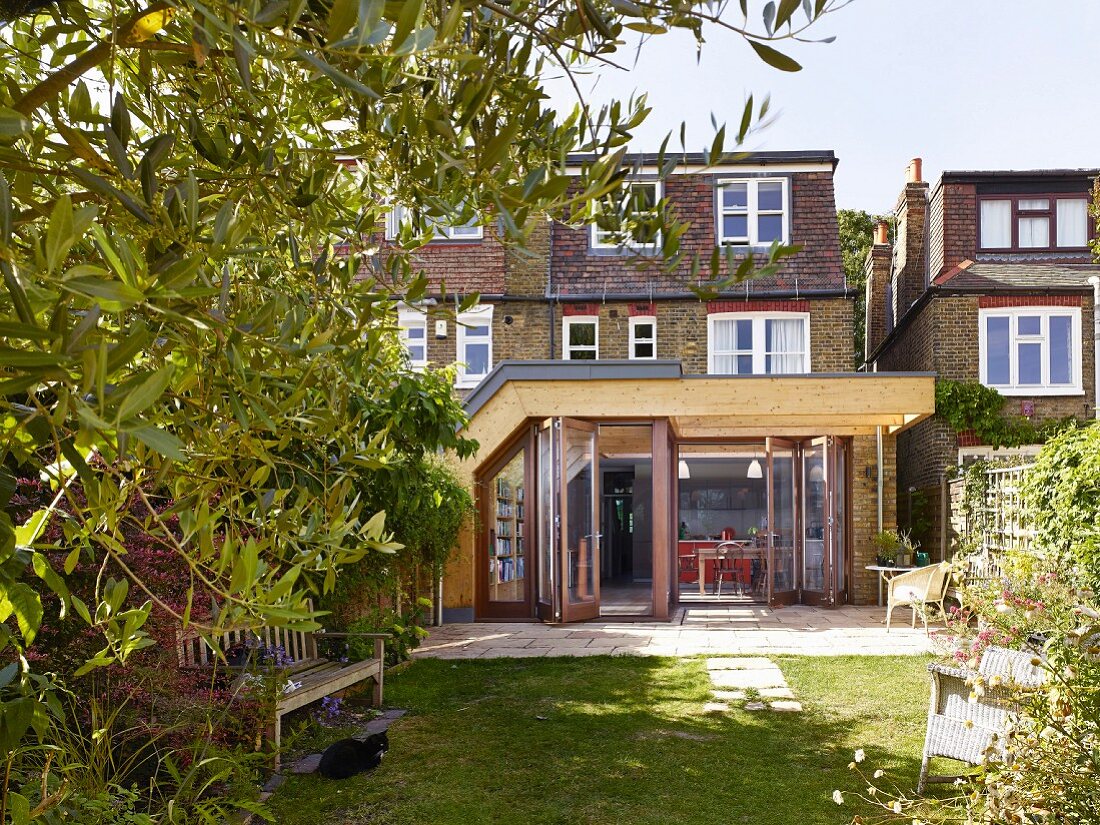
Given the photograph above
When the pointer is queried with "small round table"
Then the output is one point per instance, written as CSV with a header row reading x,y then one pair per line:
x,y
885,574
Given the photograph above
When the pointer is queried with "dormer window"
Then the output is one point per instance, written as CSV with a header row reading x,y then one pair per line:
x,y
1029,223
753,212
471,230
638,203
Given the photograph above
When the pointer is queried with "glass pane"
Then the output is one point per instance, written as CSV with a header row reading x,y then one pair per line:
x,y
769,196
1031,204
735,196
1034,233
643,349
813,480
643,331
725,364
781,532
547,511
723,332
417,353
769,228
785,345
583,355
1029,325
735,227
507,534
477,359
1030,358
415,333
476,332
996,224
839,497
643,197
1073,222
582,334
580,539
744,334
996,351
744,365
1061,350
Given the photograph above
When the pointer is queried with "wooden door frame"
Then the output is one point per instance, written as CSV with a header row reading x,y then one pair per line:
x,y
589,610
792,596
486,515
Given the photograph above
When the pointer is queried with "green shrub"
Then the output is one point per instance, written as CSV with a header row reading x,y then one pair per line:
x,y
1062,498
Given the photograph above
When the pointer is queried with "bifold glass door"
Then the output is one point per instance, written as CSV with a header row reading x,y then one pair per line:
x,y
782,534
569,537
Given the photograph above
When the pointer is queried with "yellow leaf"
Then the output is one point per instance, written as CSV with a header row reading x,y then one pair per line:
x,y
148,25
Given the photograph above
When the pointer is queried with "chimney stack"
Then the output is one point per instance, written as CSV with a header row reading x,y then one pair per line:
x,y
909,277
876,270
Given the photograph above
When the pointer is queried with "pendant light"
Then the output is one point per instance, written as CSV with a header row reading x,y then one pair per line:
x,y
683,471
755,471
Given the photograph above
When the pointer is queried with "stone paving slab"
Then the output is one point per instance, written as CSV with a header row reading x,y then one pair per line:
x,y
741,663
744,679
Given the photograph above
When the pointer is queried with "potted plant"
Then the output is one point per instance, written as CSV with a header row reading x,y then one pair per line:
x,y
887,543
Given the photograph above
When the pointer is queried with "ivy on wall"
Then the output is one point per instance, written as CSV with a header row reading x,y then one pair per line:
x,y
972,407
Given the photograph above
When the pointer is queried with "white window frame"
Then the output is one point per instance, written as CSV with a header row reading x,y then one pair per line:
x,y
1014,388
479,316
598,237
409,319
568,321
635,320
442,231
752,212
759,339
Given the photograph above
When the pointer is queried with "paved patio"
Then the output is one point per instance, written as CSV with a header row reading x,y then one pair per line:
x,y
696,630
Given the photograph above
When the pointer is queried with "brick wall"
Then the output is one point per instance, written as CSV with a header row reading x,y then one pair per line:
x,y
864,584
960,225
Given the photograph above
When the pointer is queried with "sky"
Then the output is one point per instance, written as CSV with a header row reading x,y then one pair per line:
x,y
963,84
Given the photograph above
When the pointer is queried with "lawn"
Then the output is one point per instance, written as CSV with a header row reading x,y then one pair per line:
x,y
622,740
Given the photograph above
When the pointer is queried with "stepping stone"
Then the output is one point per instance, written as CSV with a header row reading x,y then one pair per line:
x,y
744,663
755,706
715,707
786,706
274,782
741,679
380,723
777,693
730,695
307,764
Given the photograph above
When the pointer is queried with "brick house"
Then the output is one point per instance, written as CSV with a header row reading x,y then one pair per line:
x,y
987,280
648,424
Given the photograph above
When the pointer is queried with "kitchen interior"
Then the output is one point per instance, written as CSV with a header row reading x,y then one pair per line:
x,y
723,496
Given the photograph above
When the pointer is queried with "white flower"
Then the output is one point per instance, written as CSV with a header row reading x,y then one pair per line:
x,y
880,773
860,755
838,797
1003,607
897,807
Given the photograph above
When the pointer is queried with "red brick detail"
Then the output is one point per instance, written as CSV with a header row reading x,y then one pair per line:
x,y
757,306
580,309
642,310
999,301
968,438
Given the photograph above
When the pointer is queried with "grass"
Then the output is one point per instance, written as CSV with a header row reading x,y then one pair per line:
x,y
622,740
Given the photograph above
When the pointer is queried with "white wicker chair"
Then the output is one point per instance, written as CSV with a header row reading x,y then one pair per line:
x,y
916,588
966,730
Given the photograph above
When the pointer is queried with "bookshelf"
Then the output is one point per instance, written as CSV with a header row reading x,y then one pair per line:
x,y
508,539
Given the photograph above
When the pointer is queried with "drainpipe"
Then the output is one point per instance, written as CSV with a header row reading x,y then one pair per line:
x,y
1095,281
878,456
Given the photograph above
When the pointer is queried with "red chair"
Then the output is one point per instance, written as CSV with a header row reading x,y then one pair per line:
x,y
689,566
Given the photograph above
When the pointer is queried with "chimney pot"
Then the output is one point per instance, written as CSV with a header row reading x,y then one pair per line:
x,y
882,230
913,172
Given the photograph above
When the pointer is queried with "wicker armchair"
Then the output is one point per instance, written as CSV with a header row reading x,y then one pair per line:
x,y
967,730
925,585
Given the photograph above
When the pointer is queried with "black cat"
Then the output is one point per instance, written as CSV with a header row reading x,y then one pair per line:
x,y
351,756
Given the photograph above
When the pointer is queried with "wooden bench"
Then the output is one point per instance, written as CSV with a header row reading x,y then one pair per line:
x,y
313,675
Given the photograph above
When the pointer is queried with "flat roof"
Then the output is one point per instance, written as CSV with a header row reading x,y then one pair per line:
x,y
728,159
